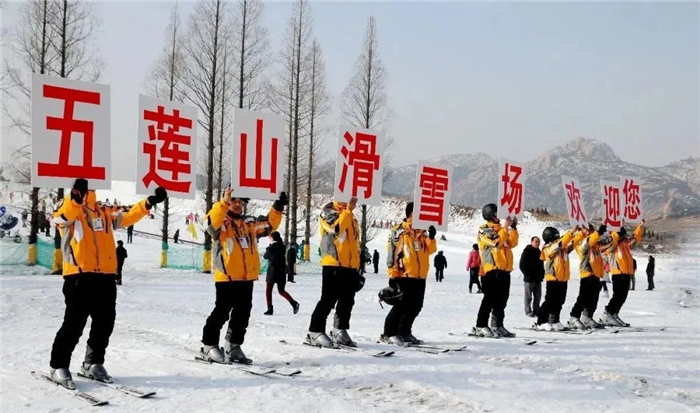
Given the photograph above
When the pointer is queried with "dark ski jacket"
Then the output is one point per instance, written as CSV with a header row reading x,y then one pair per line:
x,y
650,267
375,258
121,255
531,265
440,261
274,254
292,255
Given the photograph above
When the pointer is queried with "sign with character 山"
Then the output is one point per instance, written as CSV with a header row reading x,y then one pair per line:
x,y
573,197
511,187
632,199
70,133
258,155
359,168
612,204
167,148
432,196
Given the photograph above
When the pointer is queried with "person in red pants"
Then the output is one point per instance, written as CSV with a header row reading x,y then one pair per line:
x,y
275,256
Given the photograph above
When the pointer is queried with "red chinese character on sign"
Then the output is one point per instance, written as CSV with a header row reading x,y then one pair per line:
x,y
434,185
171,158
258,181
632,200
364,161
512,189
67,125
574,196
611,205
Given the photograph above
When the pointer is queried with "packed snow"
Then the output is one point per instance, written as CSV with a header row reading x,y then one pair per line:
x,y
161,312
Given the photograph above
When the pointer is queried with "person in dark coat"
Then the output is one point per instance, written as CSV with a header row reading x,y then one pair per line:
x,y
176,236
291,261
651,267
440,263
275,256
121,256
129,234
375,261
532,268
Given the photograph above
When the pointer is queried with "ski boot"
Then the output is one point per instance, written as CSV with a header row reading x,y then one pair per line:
x,y
398,340
269,311
341,336
575,323
62,377
503,332
543,327
295,306
609,320
411,339
234,354
558,326
619,320
96,372
319,340
213,354
483,332
589,322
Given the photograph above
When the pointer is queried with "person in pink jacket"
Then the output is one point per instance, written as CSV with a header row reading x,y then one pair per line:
x,y
473,265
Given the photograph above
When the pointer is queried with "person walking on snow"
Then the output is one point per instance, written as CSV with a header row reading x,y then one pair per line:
x,y
340,262
291,261
532,267
121,256
237,266
276,274
650,273
440,263
408,260
588,243
496,245
375,261
89,285
555,255
176,236
621,267
474,268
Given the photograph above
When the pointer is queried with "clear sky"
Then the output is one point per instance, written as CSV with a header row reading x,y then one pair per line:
x,y
508,79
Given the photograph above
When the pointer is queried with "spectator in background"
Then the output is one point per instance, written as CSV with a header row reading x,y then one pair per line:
x,y
177,235
473,266
375,261
440,263
651,266
25,214
274,254
606,278
291,261
129,234
121,256
532,268
633,278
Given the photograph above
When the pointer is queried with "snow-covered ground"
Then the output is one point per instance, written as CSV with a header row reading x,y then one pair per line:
x,y
160,315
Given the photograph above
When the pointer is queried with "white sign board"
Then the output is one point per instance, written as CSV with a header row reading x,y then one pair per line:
x,y
612,204
359,168
511,189
573,196
431,200
633,212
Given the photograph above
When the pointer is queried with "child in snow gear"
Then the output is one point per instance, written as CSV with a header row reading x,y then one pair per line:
x,y
340,260
121,256
621,267
555,255
237,266
409,253
440,263
375,261
496,245
587,243
89,268
532,268
474,268
274,254
650,273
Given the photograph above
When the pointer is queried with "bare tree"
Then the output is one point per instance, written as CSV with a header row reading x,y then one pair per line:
x,y
226,96
364,100
205,53
165,82
250,53
318,106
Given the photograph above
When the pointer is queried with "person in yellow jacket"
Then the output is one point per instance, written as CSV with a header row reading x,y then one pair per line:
x,y
341,279
89,271
408,260
621,267
555,255
587,244
496,245
236,268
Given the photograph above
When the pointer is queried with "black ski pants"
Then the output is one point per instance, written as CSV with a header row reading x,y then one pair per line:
x,y
554,299
474,278
588,294
496,289
86,294
621,288
650,281
337,290
234,299
439,274
400,319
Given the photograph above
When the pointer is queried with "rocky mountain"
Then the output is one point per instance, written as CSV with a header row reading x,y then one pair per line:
x,y
669,191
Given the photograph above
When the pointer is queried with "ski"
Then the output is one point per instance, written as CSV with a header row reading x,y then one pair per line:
x,y
368,351
573,332
616,330
343,349
525,341
444,349
255,370
80,395
131,391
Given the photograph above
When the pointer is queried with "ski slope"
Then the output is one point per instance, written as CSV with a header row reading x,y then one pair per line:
x,y
160,315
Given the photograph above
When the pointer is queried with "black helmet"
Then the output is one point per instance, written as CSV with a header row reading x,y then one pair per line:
x,y
489,212
391,294
360,282
550,234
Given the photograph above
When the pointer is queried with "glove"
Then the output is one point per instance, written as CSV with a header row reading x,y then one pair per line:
x,y
159,197
602,229
432,232
80,188
622,232
281,202
514,224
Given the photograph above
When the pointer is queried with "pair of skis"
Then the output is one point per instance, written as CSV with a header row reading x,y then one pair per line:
x,y
252,369
526,341
91,399
344,349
